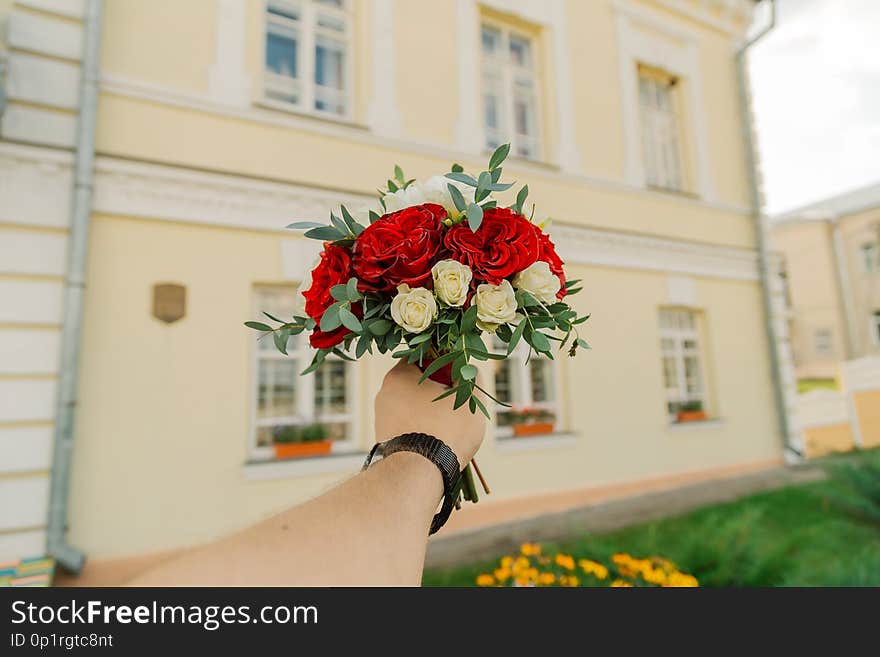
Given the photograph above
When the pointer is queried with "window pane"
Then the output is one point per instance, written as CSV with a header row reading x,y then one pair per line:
x,y
335,23
542,380
339,4
670,376
520,52
283,10
490,40
490,103
692,375
503,381
330,388
329,75
276,396
281,52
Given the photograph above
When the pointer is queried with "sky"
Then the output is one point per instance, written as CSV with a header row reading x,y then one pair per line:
x,y
816,87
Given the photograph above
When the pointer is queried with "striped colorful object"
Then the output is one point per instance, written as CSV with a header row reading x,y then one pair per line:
x,y
37,571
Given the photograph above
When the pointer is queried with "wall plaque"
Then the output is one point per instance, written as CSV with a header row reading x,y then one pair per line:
x,y
169,302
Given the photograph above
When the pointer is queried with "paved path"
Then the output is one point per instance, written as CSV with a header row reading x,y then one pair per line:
x,y
489,542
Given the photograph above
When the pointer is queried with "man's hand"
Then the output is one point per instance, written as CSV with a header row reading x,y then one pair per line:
x,y
404,405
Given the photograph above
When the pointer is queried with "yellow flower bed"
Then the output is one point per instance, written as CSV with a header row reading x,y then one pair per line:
x,y
532,566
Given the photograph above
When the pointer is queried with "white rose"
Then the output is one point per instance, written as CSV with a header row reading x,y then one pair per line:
x,y
538,281
452,281
496,305
433,190
413,309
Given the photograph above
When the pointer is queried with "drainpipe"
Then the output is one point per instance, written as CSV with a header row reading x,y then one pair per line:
x,y
763,254
57,546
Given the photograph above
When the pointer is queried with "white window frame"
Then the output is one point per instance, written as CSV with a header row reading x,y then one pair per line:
x,y
308,31
521,390
504,70
662,143
870,253
823,342
304,389
679,394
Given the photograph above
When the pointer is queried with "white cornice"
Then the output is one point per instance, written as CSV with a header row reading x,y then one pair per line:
x,y
594,246
729,16
160,192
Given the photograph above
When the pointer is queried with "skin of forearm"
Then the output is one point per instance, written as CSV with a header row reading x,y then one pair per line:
x,y
370,530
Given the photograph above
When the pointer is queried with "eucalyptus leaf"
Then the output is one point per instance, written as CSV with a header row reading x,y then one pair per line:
x,y
349,321
540,342
474,216
280,339
457,197
457,168
468,372
499,156
374,216
462,178
469,319
379,327
351,289
440,361
351,222
303,225
324,233
339,292
521,197
331,321
258,326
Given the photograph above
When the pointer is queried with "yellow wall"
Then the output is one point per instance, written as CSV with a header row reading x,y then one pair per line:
x,y
165,417
820,441
867,405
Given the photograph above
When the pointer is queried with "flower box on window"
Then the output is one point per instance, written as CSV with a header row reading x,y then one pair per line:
x,y
691,412
301,441
532,422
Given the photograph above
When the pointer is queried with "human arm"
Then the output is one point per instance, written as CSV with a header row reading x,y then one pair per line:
x,y
370,530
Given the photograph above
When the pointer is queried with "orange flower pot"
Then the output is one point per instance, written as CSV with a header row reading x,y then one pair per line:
x,y
299,450
535,429
691,416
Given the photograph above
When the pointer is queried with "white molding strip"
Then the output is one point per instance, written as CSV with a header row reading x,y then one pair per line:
x,y
25,449
29,351
27,400
30,496
162,95
303,467
45,35
728,16
30,252
592,246
383,114
155,191
69,8
15,545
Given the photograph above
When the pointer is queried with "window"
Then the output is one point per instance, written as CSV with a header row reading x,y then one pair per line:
x,y
823,342
681,357
875,327
307,55
528,384
286,402
661,148
510,101
870,256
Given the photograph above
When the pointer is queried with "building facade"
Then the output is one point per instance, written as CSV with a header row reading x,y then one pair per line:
x,y
220,121
832,266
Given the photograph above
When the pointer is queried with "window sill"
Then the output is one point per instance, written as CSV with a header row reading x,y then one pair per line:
x,y
322,117
555,440
677,193
302,467
711,423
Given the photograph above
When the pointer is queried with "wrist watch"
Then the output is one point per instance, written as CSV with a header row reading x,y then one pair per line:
x,y
438,453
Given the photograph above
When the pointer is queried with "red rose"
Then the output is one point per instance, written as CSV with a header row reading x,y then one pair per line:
x,y
504,244
401,247
328,339
334,269
547,253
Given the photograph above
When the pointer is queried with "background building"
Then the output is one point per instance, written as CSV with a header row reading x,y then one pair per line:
x,y
832,266
220,121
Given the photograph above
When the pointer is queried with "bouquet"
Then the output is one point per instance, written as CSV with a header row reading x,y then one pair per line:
x,y
439,266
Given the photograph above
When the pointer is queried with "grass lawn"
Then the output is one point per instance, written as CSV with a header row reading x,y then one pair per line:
x,y
791,537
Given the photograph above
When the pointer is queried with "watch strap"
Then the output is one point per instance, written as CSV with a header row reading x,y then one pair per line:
x,y
438,453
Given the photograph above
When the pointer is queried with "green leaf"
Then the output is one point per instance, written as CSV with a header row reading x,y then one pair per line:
x,y
483,183
500,187
474,216
420,338
517,334
475,343
303,225
339,292
496,174
499,156
457,197
363,345
392,339
398,174
349,321
469,319
391,186
583,343
330,321
280,339
340,224
521,198
462,178
464,393
342,354
325,233
379,326
273,318
374,216
441,361
351,289
526,300
539,341
258,326
351,222
378,309
457,168
468,372
451,391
